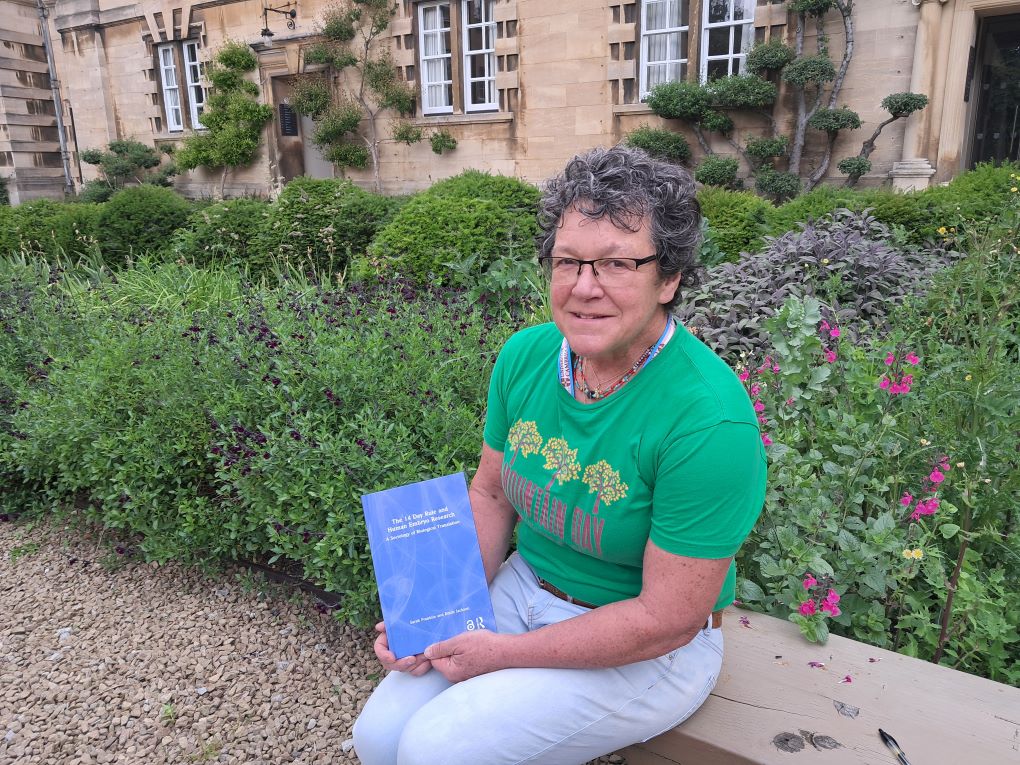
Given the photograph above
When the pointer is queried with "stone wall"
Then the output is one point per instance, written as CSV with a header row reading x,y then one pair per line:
x,y
29,140
566,80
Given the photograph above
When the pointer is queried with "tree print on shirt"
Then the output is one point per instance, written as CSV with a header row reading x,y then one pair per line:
x,y
524,439
605,483
562,460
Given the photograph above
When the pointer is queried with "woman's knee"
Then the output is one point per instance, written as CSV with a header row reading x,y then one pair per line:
x,y
375,737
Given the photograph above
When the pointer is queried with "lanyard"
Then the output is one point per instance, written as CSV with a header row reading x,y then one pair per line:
x,y
565,369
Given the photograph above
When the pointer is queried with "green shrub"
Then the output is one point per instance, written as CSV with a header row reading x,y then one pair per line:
x,y
664,144
318,222
50,229
855,167
679,100
311,96
508,192
237,55
5,197
903,104
743,91
347,155
433,230
220,234
442,140
833,120
972,196
342,116
817,69
736,218
762,149
139,220
717,121
811,7
407,132
775,185
770,56
718,171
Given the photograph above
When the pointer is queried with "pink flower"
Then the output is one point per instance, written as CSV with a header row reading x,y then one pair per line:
x,y
830,356
824,324
808,608
912,359
890,360
755,389
765,439
847,679
809,582
775,368
936,476
762,419
908,379
789,401
831,599
759,406
744,375
906,499
834,332
884,384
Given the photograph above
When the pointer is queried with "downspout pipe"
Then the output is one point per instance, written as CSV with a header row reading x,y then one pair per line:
x,y
65,155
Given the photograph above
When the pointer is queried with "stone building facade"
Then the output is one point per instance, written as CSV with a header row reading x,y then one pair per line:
x,y
521,84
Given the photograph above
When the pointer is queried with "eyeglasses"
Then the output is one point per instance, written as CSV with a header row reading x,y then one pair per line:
x,y
609,271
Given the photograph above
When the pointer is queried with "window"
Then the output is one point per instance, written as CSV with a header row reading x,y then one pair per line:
x,y
171,92
193,96
458,73
727,33
196,93
667,39
479,56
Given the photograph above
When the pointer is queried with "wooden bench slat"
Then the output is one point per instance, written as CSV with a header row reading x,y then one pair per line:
x,y
939,716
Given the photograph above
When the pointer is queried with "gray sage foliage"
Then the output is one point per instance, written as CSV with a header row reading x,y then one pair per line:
x,y
849,261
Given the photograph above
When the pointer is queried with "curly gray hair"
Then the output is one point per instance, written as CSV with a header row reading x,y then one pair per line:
x,y
629,187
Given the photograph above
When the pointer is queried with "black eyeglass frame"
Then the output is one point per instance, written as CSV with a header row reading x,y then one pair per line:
x,y
638,262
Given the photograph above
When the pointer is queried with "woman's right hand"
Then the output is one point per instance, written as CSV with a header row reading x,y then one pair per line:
x,y
415,665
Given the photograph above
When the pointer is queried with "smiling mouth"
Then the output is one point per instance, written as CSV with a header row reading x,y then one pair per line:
x,y
589,316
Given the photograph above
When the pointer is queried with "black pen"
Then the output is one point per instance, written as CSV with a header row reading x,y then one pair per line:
x,y
890,742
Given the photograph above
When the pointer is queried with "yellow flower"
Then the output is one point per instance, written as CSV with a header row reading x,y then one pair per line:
x,y
916,554
1014,189
942,230
968,378
961,464
825,261
925,442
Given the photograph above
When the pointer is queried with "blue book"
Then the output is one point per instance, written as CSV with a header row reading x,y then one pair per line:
x,y
428,566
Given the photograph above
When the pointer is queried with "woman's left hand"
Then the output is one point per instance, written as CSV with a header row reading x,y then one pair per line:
x,y
467,655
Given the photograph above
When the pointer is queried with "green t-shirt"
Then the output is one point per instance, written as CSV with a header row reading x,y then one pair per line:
x,y
674,456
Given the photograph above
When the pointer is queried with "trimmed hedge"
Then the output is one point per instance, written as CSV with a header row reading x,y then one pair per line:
x,y
140,220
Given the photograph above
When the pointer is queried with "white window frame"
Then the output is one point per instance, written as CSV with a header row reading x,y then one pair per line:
x,y
171,89
736,61
426,106
646,33
193,78
488,27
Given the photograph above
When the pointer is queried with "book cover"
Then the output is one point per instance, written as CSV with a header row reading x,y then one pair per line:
x,y
428,566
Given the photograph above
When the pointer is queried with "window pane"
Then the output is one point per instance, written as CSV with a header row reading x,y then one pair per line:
x,y
657,73
656,15
444,10
718,10
718,69
476,65
437,70
666,47
738,37
719,41
479,93
743,9
474,11
476,40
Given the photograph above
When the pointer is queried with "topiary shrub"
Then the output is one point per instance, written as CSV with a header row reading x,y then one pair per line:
x,y
442,140
679,100
904,104
847,260
506,191
854,167
808,69
718,171
433,230
769,57
745,91
664,144
736,219
318,222
775,185
717,121
762,149
139,220
221,234
832,121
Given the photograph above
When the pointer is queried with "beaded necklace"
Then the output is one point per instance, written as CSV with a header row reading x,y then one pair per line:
x,y
571,369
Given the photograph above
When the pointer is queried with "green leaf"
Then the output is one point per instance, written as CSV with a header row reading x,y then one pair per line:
x,y
949,530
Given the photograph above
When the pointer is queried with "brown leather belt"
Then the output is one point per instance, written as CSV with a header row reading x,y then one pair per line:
x,y
552,588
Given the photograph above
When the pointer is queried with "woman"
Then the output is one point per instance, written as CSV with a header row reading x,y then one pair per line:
x,y
628,458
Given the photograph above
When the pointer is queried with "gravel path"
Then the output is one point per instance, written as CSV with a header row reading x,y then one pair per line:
x,y
104,659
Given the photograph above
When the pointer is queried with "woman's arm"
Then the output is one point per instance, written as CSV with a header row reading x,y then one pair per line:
x,y
495,517
676,598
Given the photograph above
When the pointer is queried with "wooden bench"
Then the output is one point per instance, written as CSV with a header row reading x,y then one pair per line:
x,y
772,706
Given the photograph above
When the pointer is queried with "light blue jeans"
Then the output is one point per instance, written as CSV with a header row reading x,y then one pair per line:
x,y
547,716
